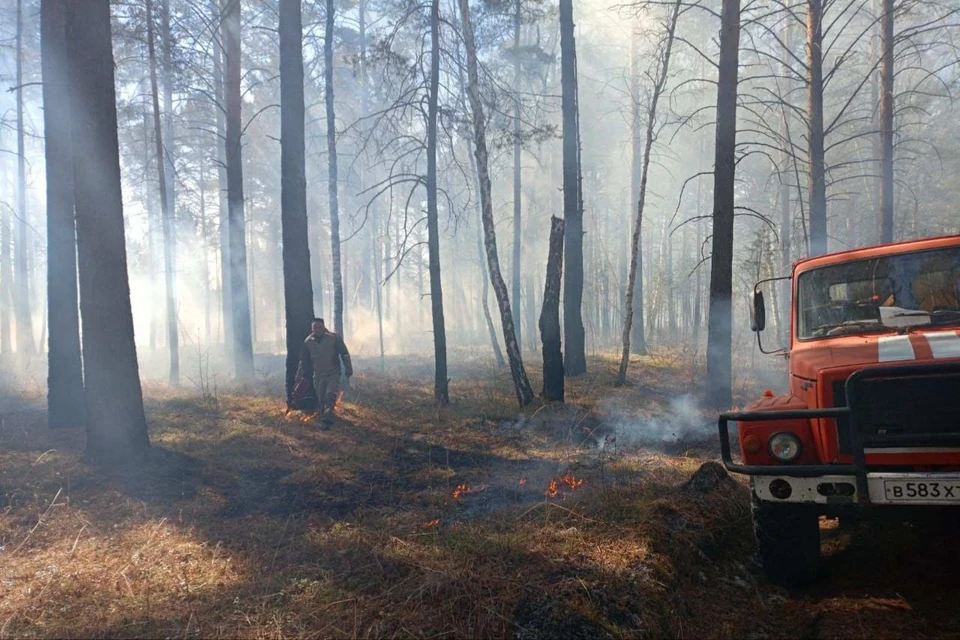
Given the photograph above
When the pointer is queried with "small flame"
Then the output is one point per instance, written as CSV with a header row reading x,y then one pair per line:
x,y
338,405
522,482
552,489
460,490
429,524
569,481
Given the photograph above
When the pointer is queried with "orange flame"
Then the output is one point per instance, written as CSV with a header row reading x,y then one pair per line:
x,y
568,481
522,482
429,524
552,489
460,490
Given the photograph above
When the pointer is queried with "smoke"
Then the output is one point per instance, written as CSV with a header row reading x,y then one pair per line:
x,y
681,420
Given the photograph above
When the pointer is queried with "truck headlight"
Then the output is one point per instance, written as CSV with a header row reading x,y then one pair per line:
x,y
784,446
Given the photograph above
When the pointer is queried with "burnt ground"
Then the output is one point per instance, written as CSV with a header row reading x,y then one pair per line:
x,y
607,517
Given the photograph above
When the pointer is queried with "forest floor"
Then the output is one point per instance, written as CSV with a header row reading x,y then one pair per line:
x,y
579,521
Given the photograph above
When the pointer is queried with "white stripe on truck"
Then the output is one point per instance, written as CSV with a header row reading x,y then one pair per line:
x,y
944,345
895,348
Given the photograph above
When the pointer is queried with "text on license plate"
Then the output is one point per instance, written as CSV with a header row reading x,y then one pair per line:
x,y
930,490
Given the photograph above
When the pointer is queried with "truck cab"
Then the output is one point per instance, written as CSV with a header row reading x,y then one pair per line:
x,y
871,418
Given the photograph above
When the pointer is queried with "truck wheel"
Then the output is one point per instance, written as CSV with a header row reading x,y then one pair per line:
x,y
788,538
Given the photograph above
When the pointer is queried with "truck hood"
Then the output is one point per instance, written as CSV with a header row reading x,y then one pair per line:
x,y
809,358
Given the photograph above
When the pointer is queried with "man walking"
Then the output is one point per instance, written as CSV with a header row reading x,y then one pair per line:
x,y
330,359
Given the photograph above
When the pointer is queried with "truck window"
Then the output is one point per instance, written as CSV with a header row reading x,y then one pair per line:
x,y
880,294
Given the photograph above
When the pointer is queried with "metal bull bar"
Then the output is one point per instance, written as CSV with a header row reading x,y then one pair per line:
x,y
858,440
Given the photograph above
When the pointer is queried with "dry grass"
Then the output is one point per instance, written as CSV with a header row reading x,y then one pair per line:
x,y
249,523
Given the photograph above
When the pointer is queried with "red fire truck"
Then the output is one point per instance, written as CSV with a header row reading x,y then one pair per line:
x,y
872,415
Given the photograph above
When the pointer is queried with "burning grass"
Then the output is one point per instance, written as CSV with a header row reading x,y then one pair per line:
x,y
401,520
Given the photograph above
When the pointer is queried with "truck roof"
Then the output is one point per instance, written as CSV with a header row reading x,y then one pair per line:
x,y
805,264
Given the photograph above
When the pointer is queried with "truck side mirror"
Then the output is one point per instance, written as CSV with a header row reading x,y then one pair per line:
x,y
758,317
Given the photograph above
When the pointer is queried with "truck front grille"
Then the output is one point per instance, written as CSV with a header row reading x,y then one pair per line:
x,y
899,411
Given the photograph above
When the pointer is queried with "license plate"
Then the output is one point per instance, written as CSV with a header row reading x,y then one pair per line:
x,y
922,490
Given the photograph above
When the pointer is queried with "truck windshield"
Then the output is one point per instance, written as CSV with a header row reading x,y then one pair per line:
x,y
880,294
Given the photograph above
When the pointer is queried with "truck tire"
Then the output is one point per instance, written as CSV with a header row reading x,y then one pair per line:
x,y
788,539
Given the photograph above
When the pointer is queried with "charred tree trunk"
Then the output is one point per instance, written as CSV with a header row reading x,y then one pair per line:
x,y
332,171
440,384
520,382
719,361
663,70
239,292
550,316
575,359
25,345
297,284
817,185
638,338
517,176
166,214
116,426
886,122
65,407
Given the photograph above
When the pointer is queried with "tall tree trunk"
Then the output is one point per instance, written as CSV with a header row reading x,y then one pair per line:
x,y
575,359
239,293
786,213
517,175
886,121
817,185
116,426
167,216
333,182
520,382
663,71
170,218
297,284
152,222
485,292
550,316
719,361
25,346
204,248
440,385
226,307
65,405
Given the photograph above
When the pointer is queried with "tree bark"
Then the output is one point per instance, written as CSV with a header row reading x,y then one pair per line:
x,y
297,284
239,292
224,218
886,121
440,384
575,359
663,71
817,182
116,426
786,212
333,180
65,403
517,176
25,346
719,361
550,316
165,203
520,382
